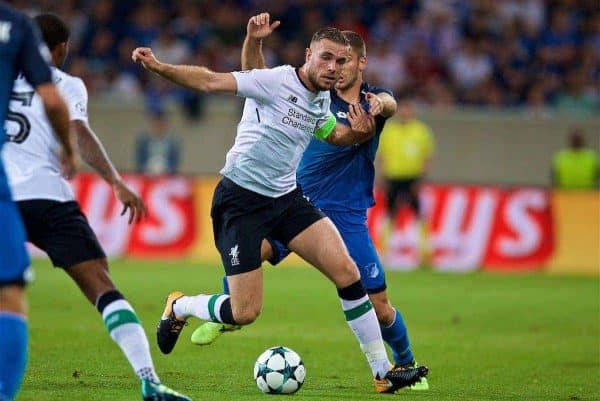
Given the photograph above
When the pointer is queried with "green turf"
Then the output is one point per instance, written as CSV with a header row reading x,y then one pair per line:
x,y
484,337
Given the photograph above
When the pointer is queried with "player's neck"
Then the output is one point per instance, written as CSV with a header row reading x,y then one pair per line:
x,y
303,76
352,94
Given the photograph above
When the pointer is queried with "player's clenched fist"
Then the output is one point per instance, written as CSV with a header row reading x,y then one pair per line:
x,y
145,57
375,104
259,26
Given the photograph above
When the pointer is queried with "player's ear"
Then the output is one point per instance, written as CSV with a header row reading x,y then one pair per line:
x,y
307,54
61,50
362,63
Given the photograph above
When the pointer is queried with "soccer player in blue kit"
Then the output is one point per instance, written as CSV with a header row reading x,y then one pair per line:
x,y
339,181
21,51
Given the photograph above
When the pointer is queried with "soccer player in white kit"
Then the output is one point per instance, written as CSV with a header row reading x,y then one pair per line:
x,y
52,218
258,195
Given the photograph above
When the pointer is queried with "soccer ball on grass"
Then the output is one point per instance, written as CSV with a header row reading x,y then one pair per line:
x,y
279,370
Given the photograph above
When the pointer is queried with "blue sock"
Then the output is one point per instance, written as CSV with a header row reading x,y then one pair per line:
x,y
13,353
225,286
396,336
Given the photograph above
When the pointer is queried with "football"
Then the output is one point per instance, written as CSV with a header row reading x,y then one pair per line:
x,y
279,370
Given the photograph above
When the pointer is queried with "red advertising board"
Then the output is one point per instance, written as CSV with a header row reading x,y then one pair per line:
x,y
469,227
169,230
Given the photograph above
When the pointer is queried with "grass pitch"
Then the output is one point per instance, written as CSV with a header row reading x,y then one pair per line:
x,y
484,337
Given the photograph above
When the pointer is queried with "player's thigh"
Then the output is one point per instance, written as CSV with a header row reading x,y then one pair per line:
x,y
14,260
305,230
62,231
321,245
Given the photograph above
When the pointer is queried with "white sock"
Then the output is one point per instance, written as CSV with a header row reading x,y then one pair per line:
x,y
124,328
362,319
205,307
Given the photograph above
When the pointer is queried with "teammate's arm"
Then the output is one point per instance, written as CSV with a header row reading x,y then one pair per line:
x,y
198,78
258,28
93,153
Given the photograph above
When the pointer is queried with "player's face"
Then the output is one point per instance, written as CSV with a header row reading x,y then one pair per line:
x,y
352,71
325,60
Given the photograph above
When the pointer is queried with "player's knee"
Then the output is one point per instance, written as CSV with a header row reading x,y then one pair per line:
x,y
246,315
347,274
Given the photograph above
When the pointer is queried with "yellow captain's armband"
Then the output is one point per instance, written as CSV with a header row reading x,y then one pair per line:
x,y
326,129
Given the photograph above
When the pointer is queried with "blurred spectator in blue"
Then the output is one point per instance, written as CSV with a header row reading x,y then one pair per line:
x,y
190,26
470,68
144,25
101,17
157,150
558,42
387,68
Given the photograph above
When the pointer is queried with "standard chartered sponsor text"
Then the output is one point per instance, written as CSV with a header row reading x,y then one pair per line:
x,y
295,119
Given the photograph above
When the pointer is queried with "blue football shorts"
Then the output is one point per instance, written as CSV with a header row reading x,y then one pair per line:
x,y
353,229
14,259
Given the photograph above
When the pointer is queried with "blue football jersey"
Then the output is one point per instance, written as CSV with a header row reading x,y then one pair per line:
x,y
20,52
341,177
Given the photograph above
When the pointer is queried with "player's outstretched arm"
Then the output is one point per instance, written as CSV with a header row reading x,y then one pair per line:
x,y
258,28
362,128
198,78
93,153
58,114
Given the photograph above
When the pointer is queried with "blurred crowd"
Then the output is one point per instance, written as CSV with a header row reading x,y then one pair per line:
x,y
523,53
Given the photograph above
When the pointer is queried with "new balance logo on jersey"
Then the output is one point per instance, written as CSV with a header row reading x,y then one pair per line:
x,y
5,31
235,255
293,99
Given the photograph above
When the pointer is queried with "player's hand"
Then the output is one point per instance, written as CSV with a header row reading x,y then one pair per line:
x,y
145,57
259,26
375,104
131,201
69,164
360,121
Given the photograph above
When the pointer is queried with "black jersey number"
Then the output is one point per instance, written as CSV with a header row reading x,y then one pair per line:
x,y
20,119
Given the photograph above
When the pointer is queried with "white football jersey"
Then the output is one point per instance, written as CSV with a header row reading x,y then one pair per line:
x,y
31,151
280,118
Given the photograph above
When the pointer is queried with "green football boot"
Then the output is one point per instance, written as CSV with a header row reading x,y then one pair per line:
x,y
210,331
159,392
